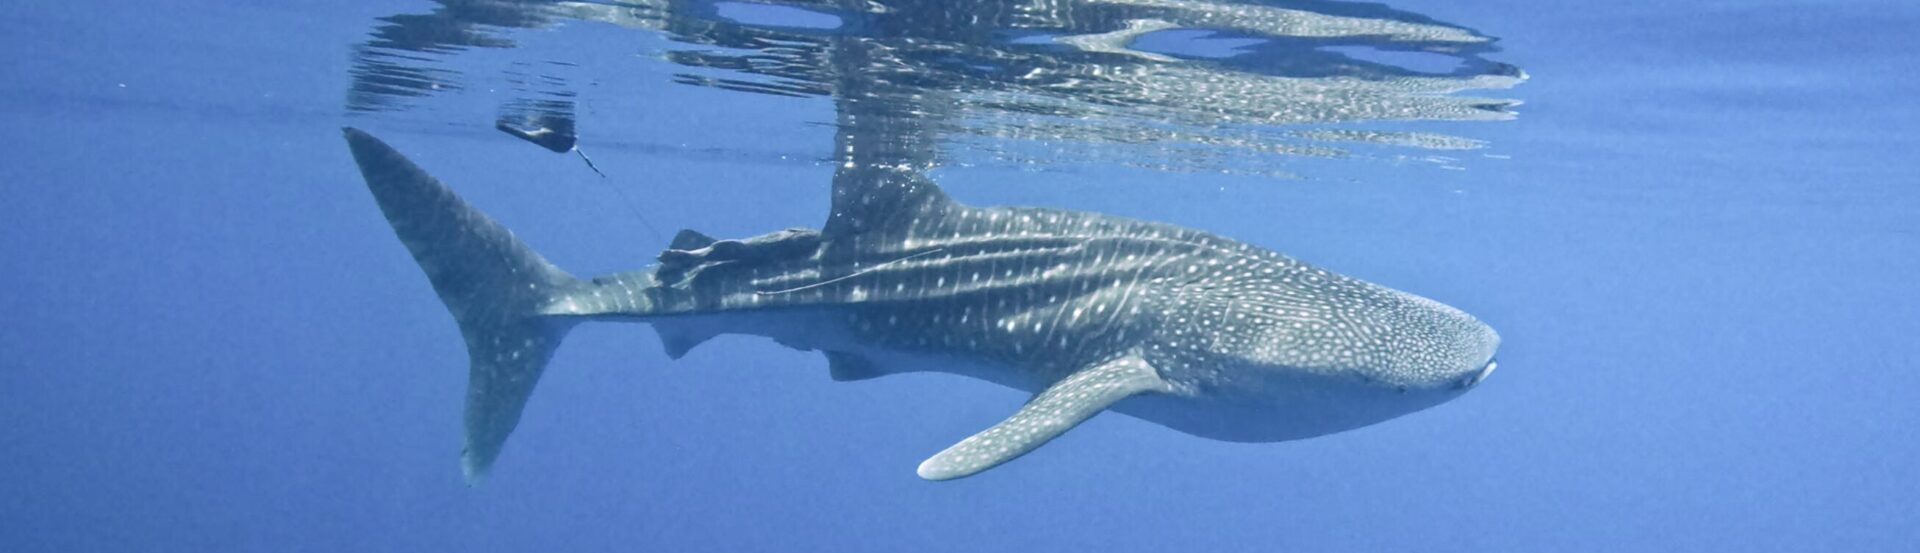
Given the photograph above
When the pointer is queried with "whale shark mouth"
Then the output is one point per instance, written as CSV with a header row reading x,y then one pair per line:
x,y
1482,374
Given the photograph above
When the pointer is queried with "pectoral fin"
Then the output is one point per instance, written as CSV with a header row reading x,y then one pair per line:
x,y
1076,398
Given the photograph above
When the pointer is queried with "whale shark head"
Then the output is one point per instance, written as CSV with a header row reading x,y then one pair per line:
x,y
1393,341
1396,353
1320,353
1426,345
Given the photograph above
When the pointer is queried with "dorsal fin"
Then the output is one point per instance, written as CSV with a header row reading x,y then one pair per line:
x,y
873,198
689,239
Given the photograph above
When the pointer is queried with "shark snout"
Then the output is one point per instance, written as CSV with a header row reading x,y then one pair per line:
x,y
1480,364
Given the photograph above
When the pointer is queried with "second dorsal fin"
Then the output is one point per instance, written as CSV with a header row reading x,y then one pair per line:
x,y
689,239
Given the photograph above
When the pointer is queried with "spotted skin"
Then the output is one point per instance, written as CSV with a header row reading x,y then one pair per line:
x,y
1176,326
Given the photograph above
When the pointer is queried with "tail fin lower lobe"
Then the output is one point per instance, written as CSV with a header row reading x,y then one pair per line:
x,y
494,285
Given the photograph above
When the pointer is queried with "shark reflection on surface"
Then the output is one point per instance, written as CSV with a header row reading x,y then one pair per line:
x,y
1147,83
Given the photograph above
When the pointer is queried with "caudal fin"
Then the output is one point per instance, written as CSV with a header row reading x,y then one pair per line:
x,y
494,285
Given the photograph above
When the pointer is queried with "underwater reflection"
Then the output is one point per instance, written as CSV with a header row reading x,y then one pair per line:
x,y
1167,84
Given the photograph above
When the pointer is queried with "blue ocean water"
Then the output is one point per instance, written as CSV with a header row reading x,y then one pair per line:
x,y
1694,225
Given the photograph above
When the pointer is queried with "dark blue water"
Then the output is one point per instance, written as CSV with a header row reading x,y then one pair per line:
x,y
1697,232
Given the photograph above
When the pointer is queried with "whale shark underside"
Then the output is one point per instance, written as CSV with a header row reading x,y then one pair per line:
x,y
1088,312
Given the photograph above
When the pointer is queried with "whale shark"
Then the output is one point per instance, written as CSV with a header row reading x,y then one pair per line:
x,y
1088,312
